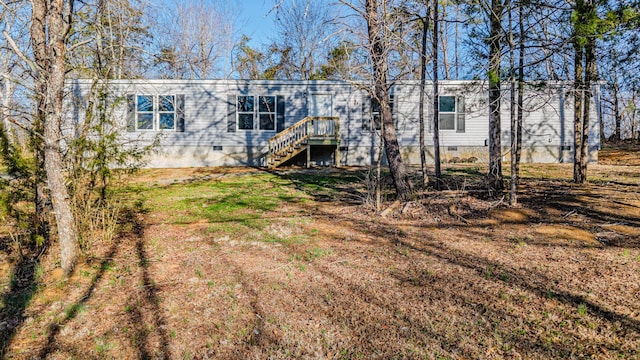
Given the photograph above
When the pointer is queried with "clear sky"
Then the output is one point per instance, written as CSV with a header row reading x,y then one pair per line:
x,y
254,21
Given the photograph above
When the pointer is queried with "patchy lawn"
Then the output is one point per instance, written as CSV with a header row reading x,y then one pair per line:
x,y
241,263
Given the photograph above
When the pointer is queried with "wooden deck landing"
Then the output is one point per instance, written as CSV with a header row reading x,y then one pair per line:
x,y
302,136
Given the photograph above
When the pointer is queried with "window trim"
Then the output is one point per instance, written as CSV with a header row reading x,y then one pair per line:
x,y
454,113
155,113
238,113
273,113
373,103
138,112
256,112
174,112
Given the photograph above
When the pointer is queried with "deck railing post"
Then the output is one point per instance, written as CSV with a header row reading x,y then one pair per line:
x,y
283,144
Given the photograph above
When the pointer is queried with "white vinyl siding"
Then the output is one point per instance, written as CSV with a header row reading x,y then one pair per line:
x,y
210,109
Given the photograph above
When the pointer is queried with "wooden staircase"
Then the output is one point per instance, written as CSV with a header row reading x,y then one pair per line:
x,y
301,136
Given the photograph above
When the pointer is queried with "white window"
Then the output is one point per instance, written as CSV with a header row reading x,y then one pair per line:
x,y
166,112
155,113
451,113
144,112
447,107
251,117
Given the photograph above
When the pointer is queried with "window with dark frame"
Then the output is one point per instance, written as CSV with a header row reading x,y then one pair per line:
x,y
260,116
267,112
245,112
376,120
375,113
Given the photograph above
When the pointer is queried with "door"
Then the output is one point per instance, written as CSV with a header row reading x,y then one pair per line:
x,y
320,105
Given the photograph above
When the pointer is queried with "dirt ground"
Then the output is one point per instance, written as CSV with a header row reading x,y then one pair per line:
x,y
317,274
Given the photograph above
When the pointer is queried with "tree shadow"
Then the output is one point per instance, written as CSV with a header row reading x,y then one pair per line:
x,y
529,280
54,329
151,303
327,185
569,199
135,229
259,337
22,287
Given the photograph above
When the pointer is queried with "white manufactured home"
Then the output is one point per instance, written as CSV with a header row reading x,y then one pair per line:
x,y
273,123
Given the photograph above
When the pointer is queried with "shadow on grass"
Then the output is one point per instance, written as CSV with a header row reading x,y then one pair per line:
x,y
54,328
259,337
328,185
151,303
487,270
569,199
22,287
135,230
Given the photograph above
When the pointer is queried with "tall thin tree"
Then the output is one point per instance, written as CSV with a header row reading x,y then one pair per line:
x,y
378,48
423,81
436,97
50,27
495,14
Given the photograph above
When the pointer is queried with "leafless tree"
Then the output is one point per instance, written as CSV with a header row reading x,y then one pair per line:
x,y
495,15
119,32
423,81
513,194
376,16
304,28
436,94
50,26
194,38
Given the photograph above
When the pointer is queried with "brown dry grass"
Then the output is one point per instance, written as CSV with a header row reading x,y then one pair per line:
x,y
622,154
452,276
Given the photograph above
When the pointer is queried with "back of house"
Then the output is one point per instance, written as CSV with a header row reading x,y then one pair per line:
x,y
271,123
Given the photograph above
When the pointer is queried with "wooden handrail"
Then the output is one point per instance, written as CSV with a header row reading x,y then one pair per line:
x,y
296,134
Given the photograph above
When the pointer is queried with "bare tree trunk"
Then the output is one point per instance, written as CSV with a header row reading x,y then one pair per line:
x,y
436,99
591,75
443,40
513,200
520,119
423,80
52,21
616,113
632,117
456,55
8,88
634,126
578,88
379,174
495,148
39,46
378,49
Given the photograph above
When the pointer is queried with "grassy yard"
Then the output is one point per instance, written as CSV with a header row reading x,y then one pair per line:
x,y
242,263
